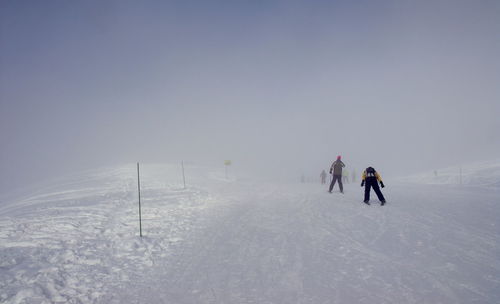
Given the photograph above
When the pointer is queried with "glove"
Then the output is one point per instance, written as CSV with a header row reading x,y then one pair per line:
x,y
362,183
382,184
330,171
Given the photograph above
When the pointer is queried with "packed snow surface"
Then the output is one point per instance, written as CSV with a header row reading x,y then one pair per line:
x,y
246,241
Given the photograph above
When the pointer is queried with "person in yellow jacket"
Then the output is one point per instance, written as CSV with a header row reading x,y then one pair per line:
x,y
370,179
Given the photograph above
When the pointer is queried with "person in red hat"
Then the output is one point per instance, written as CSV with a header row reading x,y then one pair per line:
x,y
336,170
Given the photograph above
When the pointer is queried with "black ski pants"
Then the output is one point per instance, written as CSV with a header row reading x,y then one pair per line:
x,y
334,179
369,183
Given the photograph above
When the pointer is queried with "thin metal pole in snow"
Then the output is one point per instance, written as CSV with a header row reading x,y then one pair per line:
x,y
183,175
139,189
460,175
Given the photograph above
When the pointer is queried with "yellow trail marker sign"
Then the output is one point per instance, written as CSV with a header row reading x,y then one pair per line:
x,y
227,162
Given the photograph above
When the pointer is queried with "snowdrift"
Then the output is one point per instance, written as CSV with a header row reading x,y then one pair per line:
x,y
76,239
479,174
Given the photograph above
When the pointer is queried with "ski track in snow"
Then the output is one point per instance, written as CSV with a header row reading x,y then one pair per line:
x,y
229,241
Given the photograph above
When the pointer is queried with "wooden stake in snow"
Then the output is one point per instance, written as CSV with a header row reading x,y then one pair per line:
x,y
139,189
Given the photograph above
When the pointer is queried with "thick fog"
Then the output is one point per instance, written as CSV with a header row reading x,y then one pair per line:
x,y
278,87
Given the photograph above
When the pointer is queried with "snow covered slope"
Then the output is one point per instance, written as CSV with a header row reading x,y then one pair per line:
x,y
483,174
77,241
232,241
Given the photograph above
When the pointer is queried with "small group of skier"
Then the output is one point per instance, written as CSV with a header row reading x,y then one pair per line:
x,y
369,179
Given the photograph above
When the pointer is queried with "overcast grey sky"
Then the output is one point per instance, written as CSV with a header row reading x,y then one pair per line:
x,y
280,86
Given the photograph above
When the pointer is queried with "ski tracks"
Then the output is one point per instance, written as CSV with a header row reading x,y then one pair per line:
x,y
242,242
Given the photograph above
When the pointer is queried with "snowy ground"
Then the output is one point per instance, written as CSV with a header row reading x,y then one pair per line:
x,y
484,174
244,241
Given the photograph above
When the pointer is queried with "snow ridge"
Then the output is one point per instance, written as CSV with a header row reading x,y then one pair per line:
x,y
78,243
478,174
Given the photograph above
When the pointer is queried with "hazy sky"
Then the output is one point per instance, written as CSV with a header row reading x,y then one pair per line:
x,y
276,86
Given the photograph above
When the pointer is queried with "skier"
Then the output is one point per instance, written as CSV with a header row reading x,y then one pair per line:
x,y
336,170
323,177
353,177
370,179
345,176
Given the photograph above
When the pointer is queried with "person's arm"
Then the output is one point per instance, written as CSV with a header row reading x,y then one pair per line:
x,y
379,179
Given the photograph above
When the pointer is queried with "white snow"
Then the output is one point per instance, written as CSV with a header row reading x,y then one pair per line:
x,y
478,174
245,241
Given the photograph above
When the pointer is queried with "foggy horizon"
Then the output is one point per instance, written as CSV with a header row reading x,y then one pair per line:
x,y
278,87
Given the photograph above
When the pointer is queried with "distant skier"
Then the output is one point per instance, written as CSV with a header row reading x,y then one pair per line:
x,y
370,179
323,177
353,176
345,176
336,170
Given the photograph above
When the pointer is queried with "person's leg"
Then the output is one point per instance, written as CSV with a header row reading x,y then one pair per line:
x,y
340,184
378,192
332,184
367,191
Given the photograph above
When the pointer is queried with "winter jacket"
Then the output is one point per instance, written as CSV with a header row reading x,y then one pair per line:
x,y
336,167
371,174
